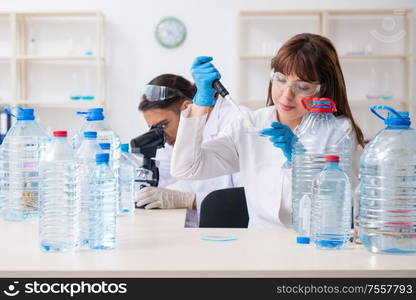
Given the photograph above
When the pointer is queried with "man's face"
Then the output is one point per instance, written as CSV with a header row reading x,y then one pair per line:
x,y
166,117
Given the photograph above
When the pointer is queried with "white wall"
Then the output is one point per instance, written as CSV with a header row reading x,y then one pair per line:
x,y
134,57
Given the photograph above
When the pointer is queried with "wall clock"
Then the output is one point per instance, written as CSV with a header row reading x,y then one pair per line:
x,y
170,32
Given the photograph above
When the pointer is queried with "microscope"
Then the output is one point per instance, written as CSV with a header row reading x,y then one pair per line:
x,y
146,146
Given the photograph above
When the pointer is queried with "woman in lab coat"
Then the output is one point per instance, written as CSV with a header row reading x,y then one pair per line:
x,y
163,99
306,65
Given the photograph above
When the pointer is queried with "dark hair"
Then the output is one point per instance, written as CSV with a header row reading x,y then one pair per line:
x,y
313,58
175,82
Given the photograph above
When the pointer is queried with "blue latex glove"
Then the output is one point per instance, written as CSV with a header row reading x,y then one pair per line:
x,y
204,73
282,137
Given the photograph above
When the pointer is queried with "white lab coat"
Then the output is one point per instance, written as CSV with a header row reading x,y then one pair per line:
x,y
264,171
221,116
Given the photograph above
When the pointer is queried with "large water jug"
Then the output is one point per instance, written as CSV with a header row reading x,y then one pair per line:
x,y
388,187
20,153
319,134
331,206
103,205
59,196
86,156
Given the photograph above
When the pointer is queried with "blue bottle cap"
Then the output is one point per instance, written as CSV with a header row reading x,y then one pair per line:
x,y
95,114
394,117
90,134
303,240
105,146
124,148
26,114
401,118
23,114
102,158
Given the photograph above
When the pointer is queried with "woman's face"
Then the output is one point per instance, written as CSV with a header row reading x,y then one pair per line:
x,y
287,91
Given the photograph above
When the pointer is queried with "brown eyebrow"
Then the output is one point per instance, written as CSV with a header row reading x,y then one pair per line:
x,y
297,80
160,122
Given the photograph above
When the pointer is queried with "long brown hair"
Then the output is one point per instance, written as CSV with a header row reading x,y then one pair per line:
x,y
313,58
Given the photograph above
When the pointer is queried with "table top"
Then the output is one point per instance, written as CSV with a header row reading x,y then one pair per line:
x,y
154,243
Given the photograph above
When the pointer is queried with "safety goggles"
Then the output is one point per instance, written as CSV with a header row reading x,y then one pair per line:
x,y
159,93
299,88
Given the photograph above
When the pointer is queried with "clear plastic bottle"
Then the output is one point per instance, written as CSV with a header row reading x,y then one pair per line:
x,y
103,205
331,206
21,151
319,135
86,157
106,148
387,188
59,197
95,122
127,174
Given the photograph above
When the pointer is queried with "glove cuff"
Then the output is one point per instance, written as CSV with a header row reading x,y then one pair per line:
x,y
204,100
191,200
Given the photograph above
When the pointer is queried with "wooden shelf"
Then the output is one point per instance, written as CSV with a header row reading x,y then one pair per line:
x,y
255,57
375,57
358,103
62,103
344,57
61,14
21,29
62,58
253,13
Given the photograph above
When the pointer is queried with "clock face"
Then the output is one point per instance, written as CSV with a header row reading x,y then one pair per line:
x,y
170,32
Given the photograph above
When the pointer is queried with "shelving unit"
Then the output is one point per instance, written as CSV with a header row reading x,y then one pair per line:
x,y
52,56
365,40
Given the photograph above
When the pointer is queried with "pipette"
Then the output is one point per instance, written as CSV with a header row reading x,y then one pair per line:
x,y
217,85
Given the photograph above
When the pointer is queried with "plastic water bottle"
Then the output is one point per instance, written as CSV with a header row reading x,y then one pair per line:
x,y
95,122
21,151
106,148
103,205
319,135
387,189
59,197
86,156
331,206
127,174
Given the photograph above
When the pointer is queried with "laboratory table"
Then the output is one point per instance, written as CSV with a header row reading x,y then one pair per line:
x,y
154,243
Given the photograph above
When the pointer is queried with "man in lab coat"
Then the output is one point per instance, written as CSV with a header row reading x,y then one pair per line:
x,y
162,101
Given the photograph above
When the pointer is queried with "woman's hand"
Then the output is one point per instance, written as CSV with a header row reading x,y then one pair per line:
x,y
204,74
282,137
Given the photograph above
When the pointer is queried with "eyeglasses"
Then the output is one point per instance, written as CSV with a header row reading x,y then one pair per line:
x,y
299,88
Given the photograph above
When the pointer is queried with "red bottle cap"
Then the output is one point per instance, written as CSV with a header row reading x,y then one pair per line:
x,y
62,133
332,158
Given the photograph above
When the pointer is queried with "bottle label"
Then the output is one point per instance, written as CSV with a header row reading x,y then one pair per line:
x,y
105,136
305,215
